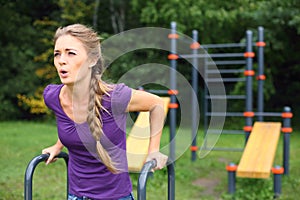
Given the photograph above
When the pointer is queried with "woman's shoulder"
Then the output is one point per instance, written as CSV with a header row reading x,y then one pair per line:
x,y
51,92
120,90
52,89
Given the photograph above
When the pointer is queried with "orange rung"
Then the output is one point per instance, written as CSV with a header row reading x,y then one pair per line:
x,y
249,54
172,56
261,77
172,92
173,36
173,105
249,72
260,44
286,129
249,114
247,128
195,45
276,170
231,168
194,148
287,115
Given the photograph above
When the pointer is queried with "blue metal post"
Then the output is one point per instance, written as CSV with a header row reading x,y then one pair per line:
x,y
171,180
287,130
249,62
231,169
194,46
173,62
142,181
173,87
30,171
260,72
277,173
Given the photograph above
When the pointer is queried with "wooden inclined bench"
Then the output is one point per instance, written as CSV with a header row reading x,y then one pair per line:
x,y
139,138
258,156
260,150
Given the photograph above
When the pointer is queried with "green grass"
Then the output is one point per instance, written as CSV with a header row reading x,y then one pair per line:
x,y
205,178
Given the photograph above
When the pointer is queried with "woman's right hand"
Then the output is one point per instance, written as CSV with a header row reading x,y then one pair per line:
x,y
53,151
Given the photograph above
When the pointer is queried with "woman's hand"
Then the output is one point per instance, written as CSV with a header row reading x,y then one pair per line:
x,y
161,159
53,151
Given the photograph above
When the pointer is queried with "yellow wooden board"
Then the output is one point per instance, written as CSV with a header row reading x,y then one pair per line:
x,y
260,150
139,138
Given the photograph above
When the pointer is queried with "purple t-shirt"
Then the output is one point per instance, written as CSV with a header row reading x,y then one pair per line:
x,y
88,176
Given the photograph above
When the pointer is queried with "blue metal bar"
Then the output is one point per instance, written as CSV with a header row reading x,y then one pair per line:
x,y
227,114
142,181
173,86
225,45
30,170
194,97
249,106
286,141
213,55
231,169
239,114
173,111
227,62
260,84
277,182
171,180
225,79
225,97
144,175
225,71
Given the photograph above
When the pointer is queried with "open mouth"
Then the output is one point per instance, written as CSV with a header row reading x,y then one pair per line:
x,y
63,73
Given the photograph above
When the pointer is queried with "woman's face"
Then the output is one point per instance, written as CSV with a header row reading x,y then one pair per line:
x,y
69,57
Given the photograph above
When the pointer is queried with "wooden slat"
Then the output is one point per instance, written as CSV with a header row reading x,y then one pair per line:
x,y
139,138
260,150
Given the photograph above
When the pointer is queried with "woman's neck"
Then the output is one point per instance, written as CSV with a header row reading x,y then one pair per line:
x,y
74,100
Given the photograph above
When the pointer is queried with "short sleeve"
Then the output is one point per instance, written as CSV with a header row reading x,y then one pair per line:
x,y
120,98
51,95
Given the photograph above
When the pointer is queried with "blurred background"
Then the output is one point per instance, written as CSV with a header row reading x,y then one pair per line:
x,y
27,28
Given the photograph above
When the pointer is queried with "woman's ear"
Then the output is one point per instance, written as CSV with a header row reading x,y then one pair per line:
x,y
92,62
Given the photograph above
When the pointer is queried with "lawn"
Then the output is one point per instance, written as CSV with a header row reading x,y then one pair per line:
x,y
204,178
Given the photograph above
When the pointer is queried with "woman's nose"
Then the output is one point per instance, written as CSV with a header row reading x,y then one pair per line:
x,y
62,59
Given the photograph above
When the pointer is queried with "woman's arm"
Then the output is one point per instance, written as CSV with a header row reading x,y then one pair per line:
x,y
144,101
53,151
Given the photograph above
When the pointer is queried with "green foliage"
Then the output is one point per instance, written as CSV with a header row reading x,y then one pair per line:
x,y
252,189
27,28
16,55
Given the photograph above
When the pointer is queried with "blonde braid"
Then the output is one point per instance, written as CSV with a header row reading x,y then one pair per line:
x,y
97,90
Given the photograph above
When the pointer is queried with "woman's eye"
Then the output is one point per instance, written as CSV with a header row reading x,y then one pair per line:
x,y
56,54
72,53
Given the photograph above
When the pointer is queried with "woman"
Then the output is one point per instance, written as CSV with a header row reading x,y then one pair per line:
x,y
91,118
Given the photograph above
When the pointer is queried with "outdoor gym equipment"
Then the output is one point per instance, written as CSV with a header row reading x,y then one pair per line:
x,y
142,181
234,63
258,157
138,139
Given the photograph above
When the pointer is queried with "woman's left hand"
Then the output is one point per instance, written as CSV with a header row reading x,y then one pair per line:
x,y
161,159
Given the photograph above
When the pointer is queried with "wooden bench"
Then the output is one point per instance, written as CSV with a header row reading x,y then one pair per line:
x,y
258,156
139,138
260,150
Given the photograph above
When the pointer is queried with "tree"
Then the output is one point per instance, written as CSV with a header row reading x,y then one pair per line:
x,y
16,55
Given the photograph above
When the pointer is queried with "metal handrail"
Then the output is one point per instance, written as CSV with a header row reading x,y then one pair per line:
x,y
30,170
147,170
142,181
